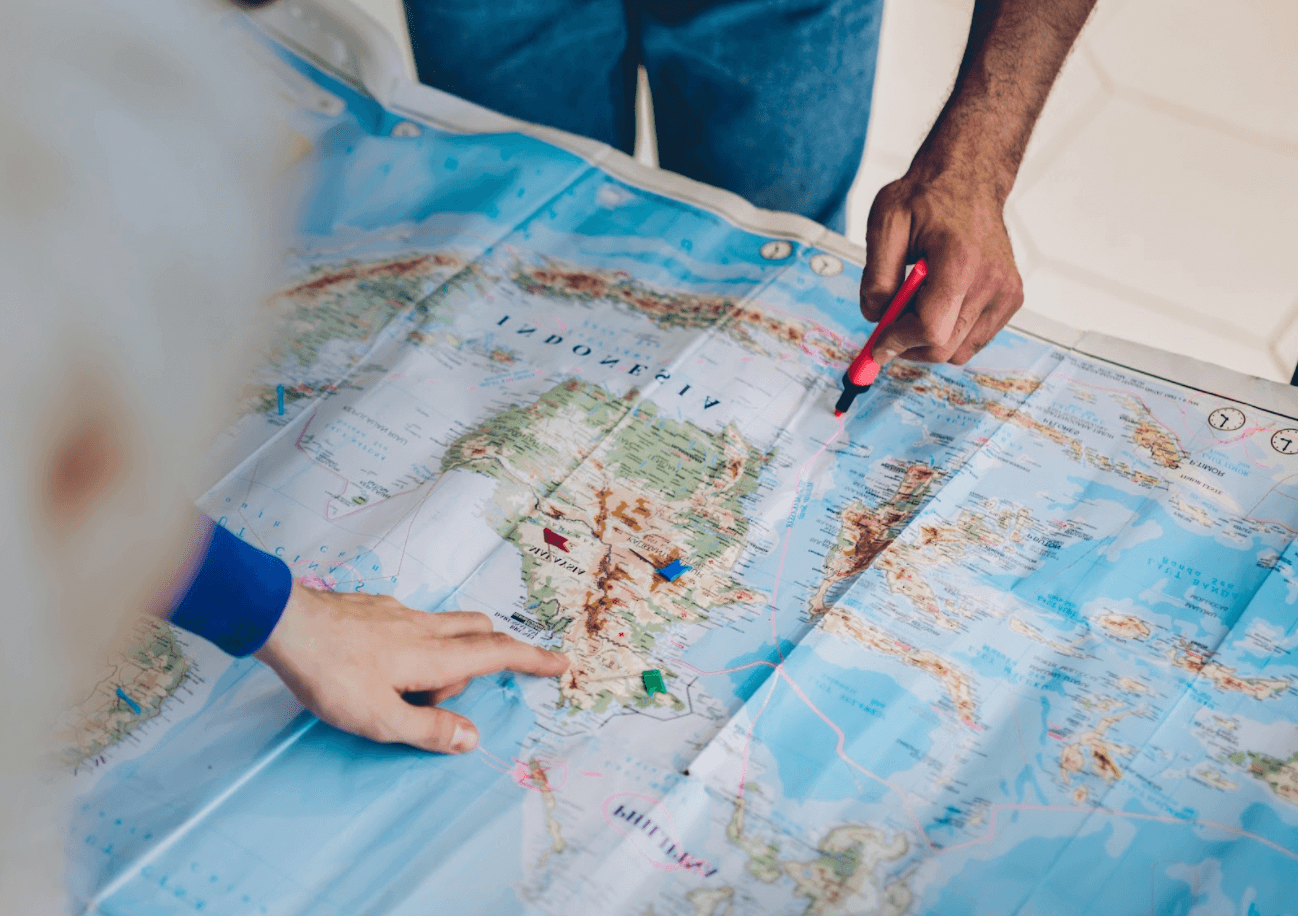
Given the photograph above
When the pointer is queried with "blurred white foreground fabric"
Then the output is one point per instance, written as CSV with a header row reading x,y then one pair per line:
x,y
137,163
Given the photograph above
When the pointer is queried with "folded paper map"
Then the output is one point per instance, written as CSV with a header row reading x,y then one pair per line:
x,y
1014,637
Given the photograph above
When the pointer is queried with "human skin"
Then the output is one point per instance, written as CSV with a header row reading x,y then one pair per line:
x,y
354,659
948,207
358,661
366,664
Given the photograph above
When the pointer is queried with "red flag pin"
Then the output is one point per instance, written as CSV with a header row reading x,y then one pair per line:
x,y
555,540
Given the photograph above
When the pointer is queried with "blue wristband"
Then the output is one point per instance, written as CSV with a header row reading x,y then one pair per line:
x,y
236,597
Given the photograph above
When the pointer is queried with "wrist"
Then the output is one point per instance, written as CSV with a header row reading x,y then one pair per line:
x,y
965,182
273,650
968,154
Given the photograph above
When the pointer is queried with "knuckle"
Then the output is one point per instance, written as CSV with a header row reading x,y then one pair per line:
x,y
873,288
997,279
384,731
924,355
971,349
440,732
1000,267
929,329
958,253
885,199
1009,282
961,247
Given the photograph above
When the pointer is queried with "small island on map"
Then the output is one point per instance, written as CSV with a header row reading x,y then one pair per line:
x,y
1280,775
138,683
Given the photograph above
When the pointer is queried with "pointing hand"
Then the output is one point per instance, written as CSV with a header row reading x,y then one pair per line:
x,y
353,658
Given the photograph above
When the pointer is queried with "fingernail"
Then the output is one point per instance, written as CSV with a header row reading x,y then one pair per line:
x,y
465,739
883,355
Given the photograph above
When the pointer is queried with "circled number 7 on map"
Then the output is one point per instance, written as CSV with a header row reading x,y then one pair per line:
x,y
1285,441
1226,419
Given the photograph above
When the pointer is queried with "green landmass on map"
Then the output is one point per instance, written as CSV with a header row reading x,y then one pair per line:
x,y
841,878
513,444
1280,775
622,491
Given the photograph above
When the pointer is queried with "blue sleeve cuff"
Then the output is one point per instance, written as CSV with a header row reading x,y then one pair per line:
x,y
237,595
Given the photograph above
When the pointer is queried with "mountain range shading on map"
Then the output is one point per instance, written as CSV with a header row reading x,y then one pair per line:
x,y
1016,637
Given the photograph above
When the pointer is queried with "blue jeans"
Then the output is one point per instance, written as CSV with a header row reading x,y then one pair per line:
x,y
766,98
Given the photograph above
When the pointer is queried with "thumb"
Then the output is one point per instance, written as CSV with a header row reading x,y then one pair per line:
x,y
887,241
431,729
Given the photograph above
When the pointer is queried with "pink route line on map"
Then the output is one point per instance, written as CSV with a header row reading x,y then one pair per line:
x,y
839,749
500,765
788,528
1244,435
840,745
782,674
495,762
743,767
779,669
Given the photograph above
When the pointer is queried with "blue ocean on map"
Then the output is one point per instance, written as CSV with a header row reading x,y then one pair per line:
x,y
1083,771
392,803
1129,870
876,715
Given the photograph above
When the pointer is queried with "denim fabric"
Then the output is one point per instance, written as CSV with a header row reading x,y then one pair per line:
x,y
766,98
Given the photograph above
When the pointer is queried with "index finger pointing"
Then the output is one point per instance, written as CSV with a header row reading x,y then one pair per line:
x,y
471,655
457,623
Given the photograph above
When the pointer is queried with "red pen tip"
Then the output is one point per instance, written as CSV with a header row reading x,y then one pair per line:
x,y
838,413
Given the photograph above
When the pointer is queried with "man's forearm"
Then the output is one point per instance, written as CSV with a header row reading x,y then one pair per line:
x,y
948,207
1014,53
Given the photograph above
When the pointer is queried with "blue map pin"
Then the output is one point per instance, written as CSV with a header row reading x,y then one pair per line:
x,y
673,570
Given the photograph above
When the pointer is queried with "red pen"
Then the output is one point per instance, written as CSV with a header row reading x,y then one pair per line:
x,y
864,370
